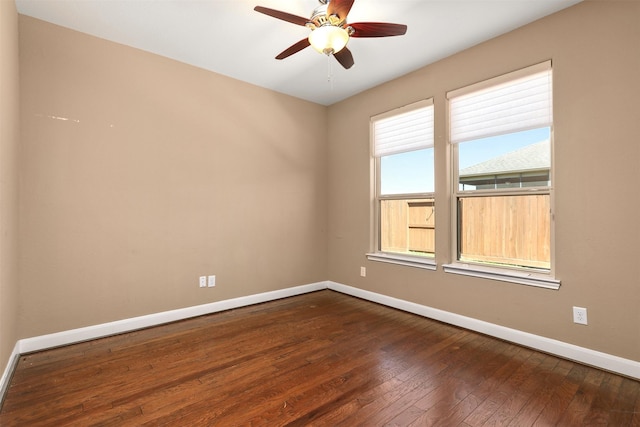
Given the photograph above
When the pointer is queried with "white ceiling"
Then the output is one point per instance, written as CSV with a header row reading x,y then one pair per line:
x,y
230,38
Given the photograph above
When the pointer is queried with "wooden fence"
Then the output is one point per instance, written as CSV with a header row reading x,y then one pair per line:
x,y
407,226
512,230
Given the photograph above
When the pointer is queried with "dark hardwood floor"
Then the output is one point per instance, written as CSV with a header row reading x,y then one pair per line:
x,y
320,359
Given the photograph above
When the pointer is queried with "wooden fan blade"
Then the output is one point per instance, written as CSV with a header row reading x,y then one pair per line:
x,y
340,8
344,57
377,29
294,49
294,19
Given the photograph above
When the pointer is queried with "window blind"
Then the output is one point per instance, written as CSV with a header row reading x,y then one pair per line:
x,y
514,102
405,129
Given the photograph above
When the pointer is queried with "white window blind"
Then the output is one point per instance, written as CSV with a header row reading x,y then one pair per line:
x,y
404,129
514,102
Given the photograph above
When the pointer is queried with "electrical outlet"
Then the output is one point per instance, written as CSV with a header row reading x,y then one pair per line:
x,y
580,315
203,281
211,281
363,271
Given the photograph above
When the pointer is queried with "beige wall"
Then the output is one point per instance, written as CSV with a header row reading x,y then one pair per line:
x,y
140,174
594,48
9,138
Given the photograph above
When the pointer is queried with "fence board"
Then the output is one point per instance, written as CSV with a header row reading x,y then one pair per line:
x,y
407,225
506,229
512,230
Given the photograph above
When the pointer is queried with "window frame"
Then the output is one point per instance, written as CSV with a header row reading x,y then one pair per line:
x,y
376,253
530,276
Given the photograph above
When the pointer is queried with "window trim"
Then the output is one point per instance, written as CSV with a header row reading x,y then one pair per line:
x,y
376,254
513,274
407,260
504,274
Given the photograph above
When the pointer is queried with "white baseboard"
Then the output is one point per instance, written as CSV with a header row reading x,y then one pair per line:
x,y
587,356
8,371
58,339
608,362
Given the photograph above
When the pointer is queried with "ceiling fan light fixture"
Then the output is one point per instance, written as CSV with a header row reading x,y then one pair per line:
x,y
329,31
329,39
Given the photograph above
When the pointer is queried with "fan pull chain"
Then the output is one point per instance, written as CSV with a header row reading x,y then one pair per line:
x,y
329,73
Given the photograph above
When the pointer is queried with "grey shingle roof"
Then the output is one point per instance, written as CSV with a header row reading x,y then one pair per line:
x,y
532,157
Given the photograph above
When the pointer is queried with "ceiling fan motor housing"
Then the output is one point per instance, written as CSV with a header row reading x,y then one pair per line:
x,y
320,18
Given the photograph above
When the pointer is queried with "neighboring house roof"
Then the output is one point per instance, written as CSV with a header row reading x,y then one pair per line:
x,y
532,157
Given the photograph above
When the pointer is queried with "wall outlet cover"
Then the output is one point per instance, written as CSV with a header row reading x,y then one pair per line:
x,y
580,315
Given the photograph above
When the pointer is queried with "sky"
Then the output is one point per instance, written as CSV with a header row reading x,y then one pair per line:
x,y
412,172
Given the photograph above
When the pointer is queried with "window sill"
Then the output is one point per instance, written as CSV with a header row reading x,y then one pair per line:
x,y
522,278
425,263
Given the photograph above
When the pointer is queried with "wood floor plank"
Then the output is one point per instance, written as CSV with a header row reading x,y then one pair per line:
x,y
635,419
604,400
424,388
388,406
580,404
532,386
453,408
321,359
560,397
495,391
620,414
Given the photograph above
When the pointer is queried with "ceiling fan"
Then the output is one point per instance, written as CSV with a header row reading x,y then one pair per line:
x,y
330,31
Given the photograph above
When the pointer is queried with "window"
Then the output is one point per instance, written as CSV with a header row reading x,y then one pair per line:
x,y
402,145
501,136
